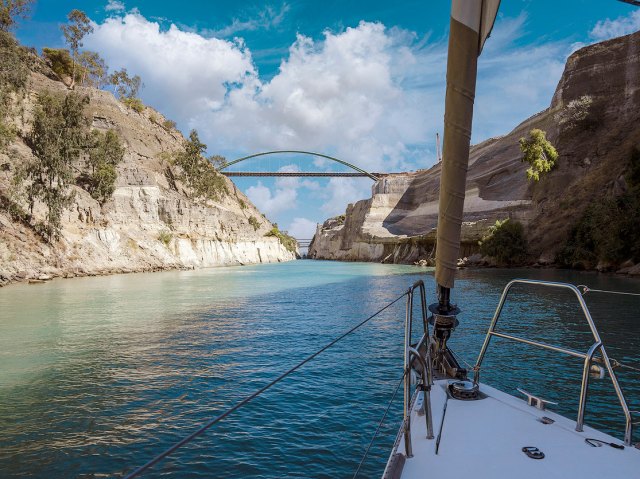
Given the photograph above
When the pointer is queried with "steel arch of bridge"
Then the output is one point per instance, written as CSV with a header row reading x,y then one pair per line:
x,y
310,153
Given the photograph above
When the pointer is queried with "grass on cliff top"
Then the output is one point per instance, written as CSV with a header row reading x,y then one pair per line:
x,y
289,242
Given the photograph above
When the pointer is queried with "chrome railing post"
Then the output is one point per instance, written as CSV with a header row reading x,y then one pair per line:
x,y
423,302
407,375
492,326
426,383
628,432
584,389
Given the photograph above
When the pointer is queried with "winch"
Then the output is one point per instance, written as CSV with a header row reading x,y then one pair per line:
x,y
464,390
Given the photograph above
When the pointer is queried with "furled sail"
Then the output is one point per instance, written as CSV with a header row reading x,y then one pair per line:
x,y
471,24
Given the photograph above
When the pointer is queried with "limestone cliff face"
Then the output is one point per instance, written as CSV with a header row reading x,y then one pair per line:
x,y
397,224
151,223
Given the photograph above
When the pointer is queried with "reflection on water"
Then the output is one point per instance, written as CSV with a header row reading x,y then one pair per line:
x,y
99,374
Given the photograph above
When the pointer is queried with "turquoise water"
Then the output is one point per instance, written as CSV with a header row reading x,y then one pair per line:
x,y
97,375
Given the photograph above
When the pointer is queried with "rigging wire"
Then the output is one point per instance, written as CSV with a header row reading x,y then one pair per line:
x,y
375,434
249,398
587,289
618,363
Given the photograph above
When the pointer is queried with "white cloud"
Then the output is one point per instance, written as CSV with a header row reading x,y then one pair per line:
x,y
272,204
606,29
369,95
342,191
265,19
114,6
185,74
302,228
514,82
341,95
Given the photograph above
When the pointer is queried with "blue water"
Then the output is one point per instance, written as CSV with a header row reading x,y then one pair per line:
x,y
97,375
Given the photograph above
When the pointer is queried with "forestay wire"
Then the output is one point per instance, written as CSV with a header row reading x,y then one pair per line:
x,y
249,398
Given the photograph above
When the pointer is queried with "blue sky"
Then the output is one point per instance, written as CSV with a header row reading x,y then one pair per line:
x,y
363,81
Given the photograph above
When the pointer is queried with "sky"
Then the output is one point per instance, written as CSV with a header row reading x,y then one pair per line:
x,y
362,81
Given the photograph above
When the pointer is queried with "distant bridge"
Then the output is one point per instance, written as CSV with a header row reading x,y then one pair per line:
x,y
304,243
357,173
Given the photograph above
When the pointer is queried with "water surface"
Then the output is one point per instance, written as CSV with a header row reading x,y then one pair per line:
x,y
97,375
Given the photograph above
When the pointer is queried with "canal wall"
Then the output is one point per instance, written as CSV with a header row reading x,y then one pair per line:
x,y
398,223
152,222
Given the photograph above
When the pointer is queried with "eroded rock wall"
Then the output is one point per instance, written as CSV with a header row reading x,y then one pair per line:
x,y
151,223
397,224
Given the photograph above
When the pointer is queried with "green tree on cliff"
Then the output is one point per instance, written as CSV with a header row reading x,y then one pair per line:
x,y
105,152
197,171
539,153
12,9
74,32
124,85
126,89
93,69
57,136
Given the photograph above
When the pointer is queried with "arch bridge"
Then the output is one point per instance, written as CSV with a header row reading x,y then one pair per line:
x,y
356,173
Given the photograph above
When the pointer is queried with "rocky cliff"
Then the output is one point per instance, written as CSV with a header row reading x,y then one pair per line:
x,y
150,223
397,224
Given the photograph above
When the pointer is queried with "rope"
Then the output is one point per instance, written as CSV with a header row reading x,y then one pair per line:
x,y
375,434
249,398
587,289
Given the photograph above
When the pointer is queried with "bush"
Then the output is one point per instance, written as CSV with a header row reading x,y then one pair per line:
x,y
505,243
609,229
242,204
134,103
253,221
13,78
7,133
14,72
581,113
289,242
60,61
165,237
340,219
169,125
539,153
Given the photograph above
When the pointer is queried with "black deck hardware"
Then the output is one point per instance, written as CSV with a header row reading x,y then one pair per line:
x,y
533,452
598,443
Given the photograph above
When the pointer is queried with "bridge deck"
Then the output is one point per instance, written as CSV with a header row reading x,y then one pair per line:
x,y
302,173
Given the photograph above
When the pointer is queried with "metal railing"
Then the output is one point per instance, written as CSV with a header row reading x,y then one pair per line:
x,y
411,354
588,357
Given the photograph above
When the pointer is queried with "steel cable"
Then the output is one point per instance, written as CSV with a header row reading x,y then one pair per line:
x,y
587,289
375,434
249,398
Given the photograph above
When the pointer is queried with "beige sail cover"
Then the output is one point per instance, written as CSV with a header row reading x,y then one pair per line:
x,y
471,24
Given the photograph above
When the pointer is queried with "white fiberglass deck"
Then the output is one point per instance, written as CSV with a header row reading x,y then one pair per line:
x,y
484,439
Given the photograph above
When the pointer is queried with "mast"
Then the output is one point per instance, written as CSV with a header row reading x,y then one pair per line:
x,y
471,23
